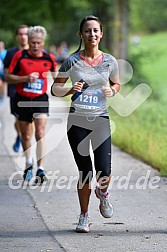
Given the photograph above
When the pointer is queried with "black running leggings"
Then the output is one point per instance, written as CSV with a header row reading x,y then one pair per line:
x,y
81,132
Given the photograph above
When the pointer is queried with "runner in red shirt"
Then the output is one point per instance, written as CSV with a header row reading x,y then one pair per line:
x,y
28,70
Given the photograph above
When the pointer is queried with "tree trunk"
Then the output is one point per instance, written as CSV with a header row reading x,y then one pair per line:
x,y
120,49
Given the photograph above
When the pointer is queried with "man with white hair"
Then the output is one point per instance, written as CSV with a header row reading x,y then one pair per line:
x,y
28,70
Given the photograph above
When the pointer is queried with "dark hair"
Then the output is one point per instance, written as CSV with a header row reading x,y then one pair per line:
x,y
20,27
87,18
84,20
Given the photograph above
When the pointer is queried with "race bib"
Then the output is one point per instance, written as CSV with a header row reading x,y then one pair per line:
x,y
91,99
34,87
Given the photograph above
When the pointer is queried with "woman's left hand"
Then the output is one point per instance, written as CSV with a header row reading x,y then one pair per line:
x,y
108,91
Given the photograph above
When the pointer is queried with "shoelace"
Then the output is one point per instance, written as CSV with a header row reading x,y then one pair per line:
x,y
105,201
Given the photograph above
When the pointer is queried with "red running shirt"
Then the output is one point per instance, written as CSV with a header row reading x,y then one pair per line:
x,y
24,64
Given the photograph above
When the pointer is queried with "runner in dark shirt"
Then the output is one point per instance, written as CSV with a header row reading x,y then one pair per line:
x,y
22,39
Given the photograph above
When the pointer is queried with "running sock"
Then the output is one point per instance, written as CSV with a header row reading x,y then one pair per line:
x,y
29,162
40,168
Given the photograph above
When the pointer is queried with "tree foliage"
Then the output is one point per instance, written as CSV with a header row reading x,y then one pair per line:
x,y
148,15
66,16
13,13
62,18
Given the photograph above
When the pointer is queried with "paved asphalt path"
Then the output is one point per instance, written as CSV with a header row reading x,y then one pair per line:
x,y
44,218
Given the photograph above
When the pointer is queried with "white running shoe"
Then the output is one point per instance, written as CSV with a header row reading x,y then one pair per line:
x,y
106,208
83,224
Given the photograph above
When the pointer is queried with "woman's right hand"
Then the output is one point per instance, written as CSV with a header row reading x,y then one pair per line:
x,y
78,86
